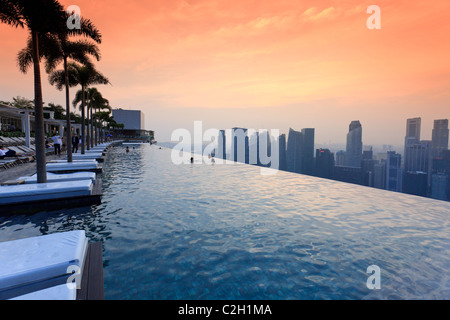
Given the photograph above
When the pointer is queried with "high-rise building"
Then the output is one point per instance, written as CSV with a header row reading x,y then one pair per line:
x,y
131,119
294,151
308,151
440,137
413,127
324,163
340,158
348,174
394,172
221,152
282,151
300,151
418,156
415,183
440,185
368,168
240,145
354,145
441,169
379,175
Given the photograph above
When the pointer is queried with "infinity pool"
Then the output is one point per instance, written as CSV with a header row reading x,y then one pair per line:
x,y
228,232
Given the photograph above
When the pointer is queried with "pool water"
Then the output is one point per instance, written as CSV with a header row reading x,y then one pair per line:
x,y
228,232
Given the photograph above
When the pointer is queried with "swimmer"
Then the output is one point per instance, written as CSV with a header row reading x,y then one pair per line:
x,y
128,150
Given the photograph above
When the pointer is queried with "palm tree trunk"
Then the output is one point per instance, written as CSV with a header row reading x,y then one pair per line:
x,y
92,129
97,129
68,125
83,127
41,166
88,139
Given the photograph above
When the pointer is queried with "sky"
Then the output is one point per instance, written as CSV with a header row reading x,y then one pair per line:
x,y
264,64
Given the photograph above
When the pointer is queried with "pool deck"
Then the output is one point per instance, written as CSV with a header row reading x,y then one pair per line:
x,y
25,169
92,284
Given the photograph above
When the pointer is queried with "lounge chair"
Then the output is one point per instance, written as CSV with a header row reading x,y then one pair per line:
x,y
51,177
36,268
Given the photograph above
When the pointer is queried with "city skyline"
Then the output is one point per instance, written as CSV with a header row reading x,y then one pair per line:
x,y
422,170
268,65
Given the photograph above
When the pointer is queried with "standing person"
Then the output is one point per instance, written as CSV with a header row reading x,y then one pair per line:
x,y
75,142
57,144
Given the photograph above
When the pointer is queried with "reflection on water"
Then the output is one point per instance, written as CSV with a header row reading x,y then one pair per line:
x,y
227,232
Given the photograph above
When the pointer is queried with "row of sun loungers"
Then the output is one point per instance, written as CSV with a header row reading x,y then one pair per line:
x,y
41,268
68,184
14,141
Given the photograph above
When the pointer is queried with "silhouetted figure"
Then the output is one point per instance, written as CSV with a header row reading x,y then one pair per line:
x,y
75,143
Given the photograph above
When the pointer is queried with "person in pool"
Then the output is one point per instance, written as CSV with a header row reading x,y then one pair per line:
x,y
128,150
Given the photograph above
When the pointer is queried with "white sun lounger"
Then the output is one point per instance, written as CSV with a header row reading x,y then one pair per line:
x,y
40,262
73,161
72,166
51,177
86,156
56,293
24,193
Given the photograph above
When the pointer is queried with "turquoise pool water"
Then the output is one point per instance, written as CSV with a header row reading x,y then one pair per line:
x,y
228,232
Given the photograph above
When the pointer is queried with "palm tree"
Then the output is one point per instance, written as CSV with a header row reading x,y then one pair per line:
x,y
79,75
97,102
58,49
57,109
39,17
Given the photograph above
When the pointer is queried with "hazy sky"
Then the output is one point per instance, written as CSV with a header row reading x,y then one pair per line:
x,y
265,64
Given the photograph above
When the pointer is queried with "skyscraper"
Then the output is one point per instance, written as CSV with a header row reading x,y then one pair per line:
x,y
394,172
240,145
413,127
368,167
324,163
221,152
354,145
340,158
282,151
415,183
294,151
418,156
379,176
440,137
440,186
308,151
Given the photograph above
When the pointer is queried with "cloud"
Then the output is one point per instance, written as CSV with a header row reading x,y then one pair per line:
x,y
313,14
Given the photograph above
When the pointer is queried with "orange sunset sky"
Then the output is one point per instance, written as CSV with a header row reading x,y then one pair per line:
x,y
265,64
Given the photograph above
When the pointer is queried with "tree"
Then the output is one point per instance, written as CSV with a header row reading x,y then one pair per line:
x,y
79,75
22,103
97,102
57,109
58,48
39,17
